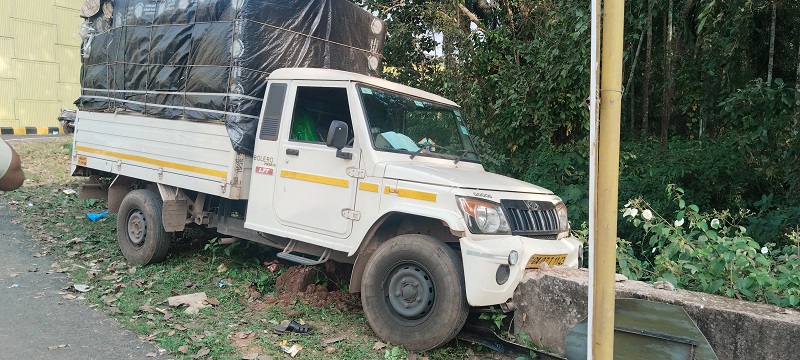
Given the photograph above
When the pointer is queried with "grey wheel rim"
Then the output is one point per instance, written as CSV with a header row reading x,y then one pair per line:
x,y
137,227
410,293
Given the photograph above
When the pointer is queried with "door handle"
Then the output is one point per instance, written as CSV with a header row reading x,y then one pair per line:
x,y
292,152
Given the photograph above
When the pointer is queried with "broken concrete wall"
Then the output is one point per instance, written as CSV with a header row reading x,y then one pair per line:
x,y
551,301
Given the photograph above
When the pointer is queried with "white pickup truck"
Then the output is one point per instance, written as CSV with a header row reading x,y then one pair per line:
x,y
345,167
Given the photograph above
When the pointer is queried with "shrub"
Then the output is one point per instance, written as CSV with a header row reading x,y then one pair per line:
x,y
712,253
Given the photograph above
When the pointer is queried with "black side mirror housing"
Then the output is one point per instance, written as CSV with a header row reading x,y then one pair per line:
x,y
337,138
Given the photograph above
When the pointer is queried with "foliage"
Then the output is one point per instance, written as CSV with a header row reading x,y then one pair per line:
x,y
395,353
495,315
521,74
712,253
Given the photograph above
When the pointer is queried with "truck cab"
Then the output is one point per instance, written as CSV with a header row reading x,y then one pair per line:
x,y
351,163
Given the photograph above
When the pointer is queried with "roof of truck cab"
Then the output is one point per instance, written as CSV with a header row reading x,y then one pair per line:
x,y
338,75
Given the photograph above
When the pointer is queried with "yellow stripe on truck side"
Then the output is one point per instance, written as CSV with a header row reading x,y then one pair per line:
x,y
319,179
151,161
367,186
411,194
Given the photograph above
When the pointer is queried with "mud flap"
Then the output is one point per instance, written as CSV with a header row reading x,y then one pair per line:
x,y
174,215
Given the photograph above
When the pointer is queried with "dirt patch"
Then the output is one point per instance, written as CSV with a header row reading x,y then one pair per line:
x,y
296,279
319,287
243,342
314,286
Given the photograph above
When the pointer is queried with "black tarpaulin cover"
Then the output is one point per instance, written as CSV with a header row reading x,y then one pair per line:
x,y
208,60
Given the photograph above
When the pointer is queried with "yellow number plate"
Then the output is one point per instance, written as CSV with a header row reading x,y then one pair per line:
x,y
81,160
552,260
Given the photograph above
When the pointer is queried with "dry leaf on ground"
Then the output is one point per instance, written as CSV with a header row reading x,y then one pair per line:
x,y
195,302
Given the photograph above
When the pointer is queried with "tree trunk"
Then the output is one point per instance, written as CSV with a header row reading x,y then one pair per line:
x,y
648,68
632,103
635,60
677,55
797,88
669,82
772,43
629,85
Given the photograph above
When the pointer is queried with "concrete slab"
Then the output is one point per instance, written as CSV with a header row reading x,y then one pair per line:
x,y
551,301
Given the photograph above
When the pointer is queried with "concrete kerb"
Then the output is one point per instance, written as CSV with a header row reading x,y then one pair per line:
x,y
29,130
551,301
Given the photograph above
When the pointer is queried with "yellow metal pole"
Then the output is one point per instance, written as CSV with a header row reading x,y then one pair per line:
x,y
608,179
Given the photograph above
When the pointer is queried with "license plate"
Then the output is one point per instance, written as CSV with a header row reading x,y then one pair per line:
x,y
81,160
552,260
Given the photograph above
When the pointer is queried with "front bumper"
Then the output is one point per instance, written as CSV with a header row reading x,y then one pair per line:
x,y
482,258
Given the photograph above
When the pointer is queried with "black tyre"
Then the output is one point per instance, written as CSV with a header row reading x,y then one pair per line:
x,y
140,232
413,292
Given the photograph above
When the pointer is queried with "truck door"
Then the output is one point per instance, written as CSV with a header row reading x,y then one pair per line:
x,y
313,189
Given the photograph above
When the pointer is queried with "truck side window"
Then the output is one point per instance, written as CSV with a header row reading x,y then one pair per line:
x,y
314,109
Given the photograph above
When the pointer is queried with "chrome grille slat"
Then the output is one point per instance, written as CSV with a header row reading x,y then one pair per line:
x,y
535,219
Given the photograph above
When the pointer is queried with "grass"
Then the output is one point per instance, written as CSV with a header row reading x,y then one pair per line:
x,y
137,296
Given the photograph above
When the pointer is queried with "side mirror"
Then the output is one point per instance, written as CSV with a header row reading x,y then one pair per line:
x,y
337,138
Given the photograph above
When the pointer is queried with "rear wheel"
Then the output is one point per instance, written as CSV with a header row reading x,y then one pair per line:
x,y
140,232
413,292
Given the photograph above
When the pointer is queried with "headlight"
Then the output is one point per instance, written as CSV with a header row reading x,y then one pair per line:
x,y
563,219
483,217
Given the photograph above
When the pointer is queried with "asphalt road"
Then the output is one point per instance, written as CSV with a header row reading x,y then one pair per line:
x,y
35,320
11,139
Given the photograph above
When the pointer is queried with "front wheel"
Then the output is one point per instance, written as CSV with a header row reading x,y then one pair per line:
x,y
140,232
413,292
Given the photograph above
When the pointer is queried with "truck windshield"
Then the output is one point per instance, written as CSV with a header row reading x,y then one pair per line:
x,y
399,123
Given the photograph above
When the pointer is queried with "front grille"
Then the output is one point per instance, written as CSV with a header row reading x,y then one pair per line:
x,y
532,218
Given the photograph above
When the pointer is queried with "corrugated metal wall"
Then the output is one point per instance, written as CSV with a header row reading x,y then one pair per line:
x,y
39,60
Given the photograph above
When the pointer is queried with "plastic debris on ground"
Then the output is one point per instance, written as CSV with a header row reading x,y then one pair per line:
x,y
291,350
82,288
96,216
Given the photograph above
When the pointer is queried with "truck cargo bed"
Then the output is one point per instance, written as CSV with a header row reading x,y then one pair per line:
x,y
189,155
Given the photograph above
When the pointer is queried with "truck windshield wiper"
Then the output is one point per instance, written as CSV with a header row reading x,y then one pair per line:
x,y
424,147
463,154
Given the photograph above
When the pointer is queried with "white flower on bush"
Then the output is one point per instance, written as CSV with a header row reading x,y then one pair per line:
x,y
715,223
647,214
679,222
653,251
764,250
632,212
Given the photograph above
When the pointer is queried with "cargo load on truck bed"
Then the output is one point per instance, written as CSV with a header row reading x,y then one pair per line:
x,y
208,60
